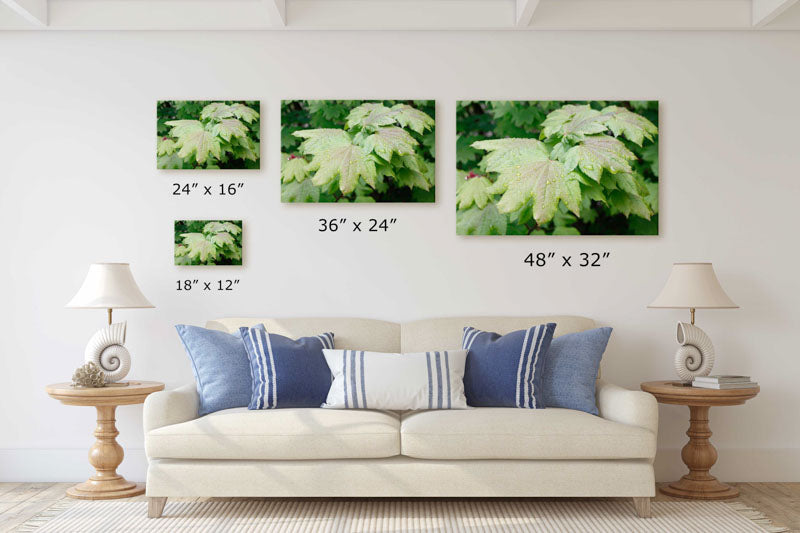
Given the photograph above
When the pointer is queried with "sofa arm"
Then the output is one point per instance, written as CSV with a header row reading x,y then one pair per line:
x,y
170,407
634,408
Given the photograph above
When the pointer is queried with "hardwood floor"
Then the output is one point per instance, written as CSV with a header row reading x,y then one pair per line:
x,y
21,501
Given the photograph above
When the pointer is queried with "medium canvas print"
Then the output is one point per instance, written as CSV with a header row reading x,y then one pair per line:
x,y
358,151
547,167
208,242
198,134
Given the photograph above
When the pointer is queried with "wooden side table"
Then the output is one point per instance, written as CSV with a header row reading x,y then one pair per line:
x,y
698,454
106,454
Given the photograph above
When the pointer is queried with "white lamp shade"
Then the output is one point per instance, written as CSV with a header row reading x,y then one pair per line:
x,y
109,286
693,285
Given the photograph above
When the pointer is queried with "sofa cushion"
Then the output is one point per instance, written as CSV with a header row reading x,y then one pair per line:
x,y
279,434
510,433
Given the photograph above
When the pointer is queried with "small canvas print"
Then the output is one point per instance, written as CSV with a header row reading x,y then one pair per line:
x,y
199,134
358,151
545,167
208,242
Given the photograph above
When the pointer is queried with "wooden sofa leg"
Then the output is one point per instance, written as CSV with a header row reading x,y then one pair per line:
x,y
155,506
642,506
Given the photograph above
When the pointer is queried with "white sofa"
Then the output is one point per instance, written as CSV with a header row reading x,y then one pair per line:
x,y
481,452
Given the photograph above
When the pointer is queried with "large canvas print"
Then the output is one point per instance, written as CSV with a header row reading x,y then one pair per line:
x,y
208,242
358,151
557,167
197,134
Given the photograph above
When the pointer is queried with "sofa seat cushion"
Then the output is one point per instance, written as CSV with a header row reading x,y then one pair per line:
x,y
289,434
509,433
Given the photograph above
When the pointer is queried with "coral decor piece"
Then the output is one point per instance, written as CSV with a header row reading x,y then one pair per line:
x,y
89,375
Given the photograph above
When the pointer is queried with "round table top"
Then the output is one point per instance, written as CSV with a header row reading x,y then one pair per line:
x,y
674,392
113,394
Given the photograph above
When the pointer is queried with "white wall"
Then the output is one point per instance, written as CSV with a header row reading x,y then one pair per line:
x,y
79,185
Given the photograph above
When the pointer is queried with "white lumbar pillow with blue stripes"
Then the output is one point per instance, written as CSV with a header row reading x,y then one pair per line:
x,y
396,381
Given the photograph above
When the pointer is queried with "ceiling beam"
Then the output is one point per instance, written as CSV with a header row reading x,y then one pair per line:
x,y
33,11
277,9
765,11
525,11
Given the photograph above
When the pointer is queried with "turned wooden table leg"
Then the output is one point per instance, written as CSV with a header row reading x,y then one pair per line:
x,y
105,456
699,455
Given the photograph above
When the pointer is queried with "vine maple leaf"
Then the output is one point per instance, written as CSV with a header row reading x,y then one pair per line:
x,y
387,141
243,112
348,162
218,227
336,155
599,152
299,192
229,127
370,115
472,190
411,117
198,247
165,146
216,110
183,127
634,127
477,221
573,120
319,141
222,239
526,172
293,169
510,153
201,143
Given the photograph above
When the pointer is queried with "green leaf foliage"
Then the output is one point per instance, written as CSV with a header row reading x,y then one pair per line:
x,y
557,167
357,151
208,135
208,242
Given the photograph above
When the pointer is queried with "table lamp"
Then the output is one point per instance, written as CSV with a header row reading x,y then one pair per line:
x,y
109,286
693,286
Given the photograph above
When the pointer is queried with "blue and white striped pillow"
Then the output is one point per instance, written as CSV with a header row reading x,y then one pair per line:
x,y
506,371
286,372
396,381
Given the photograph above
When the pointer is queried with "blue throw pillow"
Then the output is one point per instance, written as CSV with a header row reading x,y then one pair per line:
x,y
220,365
570,369
506,371
287,372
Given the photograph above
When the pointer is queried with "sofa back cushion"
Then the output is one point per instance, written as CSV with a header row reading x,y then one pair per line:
x,y
446,333
351,333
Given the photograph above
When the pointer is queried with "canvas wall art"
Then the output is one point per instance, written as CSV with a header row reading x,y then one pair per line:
x,y
358,151
208,242
557,167
197,134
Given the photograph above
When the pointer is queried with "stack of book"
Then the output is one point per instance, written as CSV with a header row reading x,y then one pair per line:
x,y
723,382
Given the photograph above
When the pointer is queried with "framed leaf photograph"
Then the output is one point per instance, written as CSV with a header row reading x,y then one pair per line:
x,y
546,167
214,134
358,151
208,242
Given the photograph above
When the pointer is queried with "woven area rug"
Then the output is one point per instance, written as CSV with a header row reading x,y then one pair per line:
x,y
317,516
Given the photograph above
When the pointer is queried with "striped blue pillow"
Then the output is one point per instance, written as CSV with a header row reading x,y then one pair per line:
x,y
506,371
286,372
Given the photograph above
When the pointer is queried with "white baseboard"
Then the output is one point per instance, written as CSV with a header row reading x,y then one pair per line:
x,y
43,465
